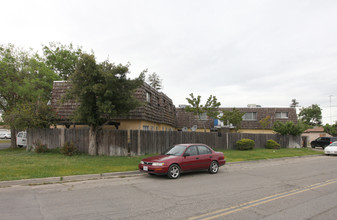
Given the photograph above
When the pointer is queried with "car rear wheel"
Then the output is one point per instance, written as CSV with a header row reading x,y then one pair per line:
x,y
174,171
214,167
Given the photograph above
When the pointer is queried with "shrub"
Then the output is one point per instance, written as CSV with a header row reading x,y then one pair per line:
x,y
69,149
271,144
245,144
289,128
40,148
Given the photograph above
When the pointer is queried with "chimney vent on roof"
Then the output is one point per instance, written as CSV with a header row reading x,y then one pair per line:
x,y
253,106
183,106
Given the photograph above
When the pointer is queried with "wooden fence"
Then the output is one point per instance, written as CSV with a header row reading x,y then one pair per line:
x,y
122,143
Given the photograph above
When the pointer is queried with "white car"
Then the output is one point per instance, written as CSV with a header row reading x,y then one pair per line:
x,y
21,139
5,136
331,149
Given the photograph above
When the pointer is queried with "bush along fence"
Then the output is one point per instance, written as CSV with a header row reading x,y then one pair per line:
x,y
123,143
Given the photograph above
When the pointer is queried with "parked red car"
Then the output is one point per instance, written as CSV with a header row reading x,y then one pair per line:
x,y
182,158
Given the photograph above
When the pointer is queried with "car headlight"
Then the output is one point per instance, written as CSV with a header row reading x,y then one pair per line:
x,y
158,164
141,162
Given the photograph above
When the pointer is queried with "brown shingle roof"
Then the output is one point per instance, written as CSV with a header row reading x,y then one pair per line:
x,y
314,130
160,109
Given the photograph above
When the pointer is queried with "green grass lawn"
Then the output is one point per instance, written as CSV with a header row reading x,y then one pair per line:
x,y
19,164
261,154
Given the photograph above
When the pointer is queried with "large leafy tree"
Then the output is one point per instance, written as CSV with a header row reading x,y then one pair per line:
x,y
25,86
31,115
103,92
311,115
331,129
233,117
61,58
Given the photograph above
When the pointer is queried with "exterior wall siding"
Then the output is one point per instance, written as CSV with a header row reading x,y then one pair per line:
x,y
187,119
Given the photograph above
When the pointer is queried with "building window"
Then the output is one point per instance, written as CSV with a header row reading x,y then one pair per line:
x,y
203,116
148,97
249,116
145,127
282,115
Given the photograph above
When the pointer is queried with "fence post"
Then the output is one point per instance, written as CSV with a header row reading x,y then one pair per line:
x,y
138,143
62,137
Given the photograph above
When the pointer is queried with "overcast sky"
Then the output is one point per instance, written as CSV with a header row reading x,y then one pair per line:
x,y
243,52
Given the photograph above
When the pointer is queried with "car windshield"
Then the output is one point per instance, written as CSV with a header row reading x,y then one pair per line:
x,y
334,144
176,150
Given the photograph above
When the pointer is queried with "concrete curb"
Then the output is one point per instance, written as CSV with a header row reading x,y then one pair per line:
x,y
76,178
66,179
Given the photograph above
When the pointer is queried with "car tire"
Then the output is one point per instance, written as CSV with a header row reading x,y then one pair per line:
x,y
173,171
213,167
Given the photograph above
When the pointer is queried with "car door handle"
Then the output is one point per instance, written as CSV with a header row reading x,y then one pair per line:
x,y
197,158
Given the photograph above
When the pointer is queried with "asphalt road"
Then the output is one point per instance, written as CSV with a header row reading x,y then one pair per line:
x,y
297,188
4,145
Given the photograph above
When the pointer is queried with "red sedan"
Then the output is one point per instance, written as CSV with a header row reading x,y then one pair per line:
x,y
182,158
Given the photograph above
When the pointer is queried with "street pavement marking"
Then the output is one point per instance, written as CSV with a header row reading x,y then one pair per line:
x,y
243,206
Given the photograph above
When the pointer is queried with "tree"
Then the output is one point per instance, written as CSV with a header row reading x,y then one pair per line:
x,y
289,128
311,115
233,117
31,115
265,122
294,103
61,58
103,92
154,81
211,107
331,129
25,81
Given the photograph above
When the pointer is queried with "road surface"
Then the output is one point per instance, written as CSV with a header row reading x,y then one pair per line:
x,y
4,145
297,188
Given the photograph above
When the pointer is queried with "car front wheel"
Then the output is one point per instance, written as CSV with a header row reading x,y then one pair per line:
x,y
214,167
174,171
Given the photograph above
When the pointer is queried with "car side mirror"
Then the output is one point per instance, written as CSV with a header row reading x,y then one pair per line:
x,y
186,154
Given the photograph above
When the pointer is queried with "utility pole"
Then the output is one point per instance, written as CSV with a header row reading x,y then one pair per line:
x,y
330,110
